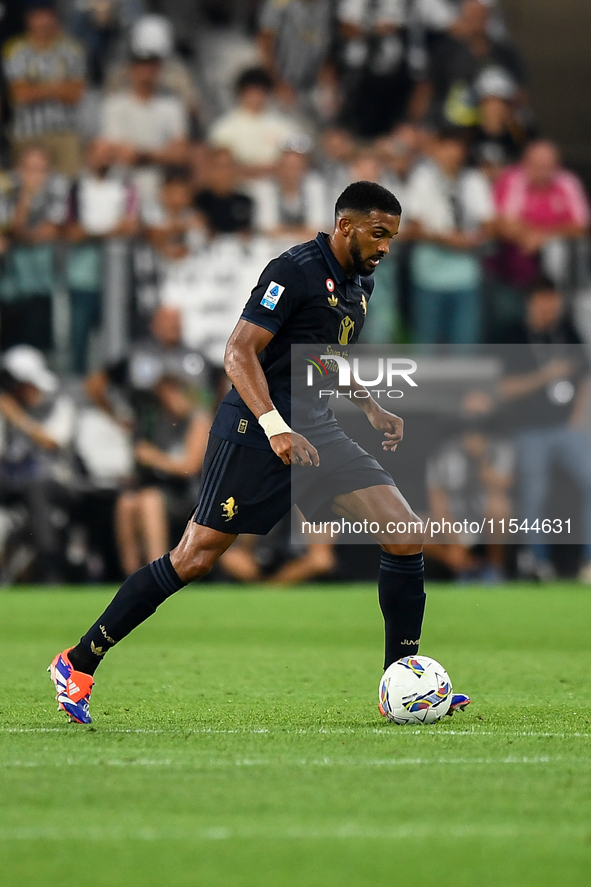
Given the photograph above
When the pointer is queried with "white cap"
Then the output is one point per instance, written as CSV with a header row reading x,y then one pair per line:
x,y
152,37
495,82
27,364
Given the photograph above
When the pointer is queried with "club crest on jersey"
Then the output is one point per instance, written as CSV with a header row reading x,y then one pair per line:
x,y
346,330
229,508
330,284
333,301
364,304
272,295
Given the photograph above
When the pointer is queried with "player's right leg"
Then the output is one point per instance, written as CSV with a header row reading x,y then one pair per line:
x,y
136,600
243,488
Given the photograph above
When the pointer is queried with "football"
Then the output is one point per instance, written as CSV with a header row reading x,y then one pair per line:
x,y
415,690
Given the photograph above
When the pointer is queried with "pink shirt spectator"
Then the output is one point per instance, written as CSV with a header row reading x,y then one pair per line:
x,y
561,202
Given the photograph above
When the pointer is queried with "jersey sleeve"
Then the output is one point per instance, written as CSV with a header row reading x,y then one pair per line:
x,y
279,292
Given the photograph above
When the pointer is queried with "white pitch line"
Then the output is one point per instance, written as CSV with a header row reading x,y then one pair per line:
x,y
393,730
196,764
346,831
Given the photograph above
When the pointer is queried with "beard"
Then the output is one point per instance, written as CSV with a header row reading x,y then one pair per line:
x,y
357,259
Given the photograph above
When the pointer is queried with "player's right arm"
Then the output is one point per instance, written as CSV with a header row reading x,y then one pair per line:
x,y
243,367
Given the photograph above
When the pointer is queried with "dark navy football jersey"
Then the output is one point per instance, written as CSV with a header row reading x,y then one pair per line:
x,y
303,296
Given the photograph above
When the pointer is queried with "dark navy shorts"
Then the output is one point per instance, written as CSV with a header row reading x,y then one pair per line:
x,y
247,490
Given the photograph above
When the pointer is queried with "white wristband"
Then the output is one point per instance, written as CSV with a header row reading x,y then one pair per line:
x,y
273,423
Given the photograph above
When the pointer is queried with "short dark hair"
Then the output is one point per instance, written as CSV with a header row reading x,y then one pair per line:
x,y
365,197
34,5
254,77
177,174
542,284
451,132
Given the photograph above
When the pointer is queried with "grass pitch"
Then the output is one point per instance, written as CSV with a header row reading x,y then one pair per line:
x,y
237,743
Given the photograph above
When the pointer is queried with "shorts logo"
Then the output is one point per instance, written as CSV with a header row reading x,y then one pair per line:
x,y
346,330
330,285
242,426
229,508
272,295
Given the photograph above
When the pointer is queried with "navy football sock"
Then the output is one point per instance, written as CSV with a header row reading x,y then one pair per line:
x,y
138,598
402,601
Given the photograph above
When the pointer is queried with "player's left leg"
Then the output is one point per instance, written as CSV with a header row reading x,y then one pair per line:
x,y
401,583
401,578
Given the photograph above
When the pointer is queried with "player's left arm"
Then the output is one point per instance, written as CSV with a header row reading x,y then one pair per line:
x,y
381,419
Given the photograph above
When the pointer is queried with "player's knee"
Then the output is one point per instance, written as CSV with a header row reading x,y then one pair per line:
x,y
410,532
407,534
197,552
192,565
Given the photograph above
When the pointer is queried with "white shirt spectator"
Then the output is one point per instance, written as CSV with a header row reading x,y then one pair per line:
x,y
147,125
443,205
254,139
103,203
435,200
273,210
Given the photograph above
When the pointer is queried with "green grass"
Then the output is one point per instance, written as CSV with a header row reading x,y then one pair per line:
x,y
237,743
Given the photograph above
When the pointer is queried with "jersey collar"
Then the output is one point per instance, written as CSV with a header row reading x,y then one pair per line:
x,y
336,269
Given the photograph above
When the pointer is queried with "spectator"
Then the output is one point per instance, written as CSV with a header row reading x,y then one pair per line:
x,y
46,71
98,26
381,325
451,213
152,37
293,204
252,131
337,148
547,389
293,38
35,467
461,57
171,438
540,205
102,204
11,25
365,166
122,388
391,164
33,210
499,137
377,80
174,228
146,130
469,479
399,153
225,207
431,20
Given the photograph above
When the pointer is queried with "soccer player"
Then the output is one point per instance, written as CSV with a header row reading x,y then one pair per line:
x,y
315,293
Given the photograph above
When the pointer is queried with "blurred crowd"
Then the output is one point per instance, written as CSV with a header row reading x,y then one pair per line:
x,y
156,156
